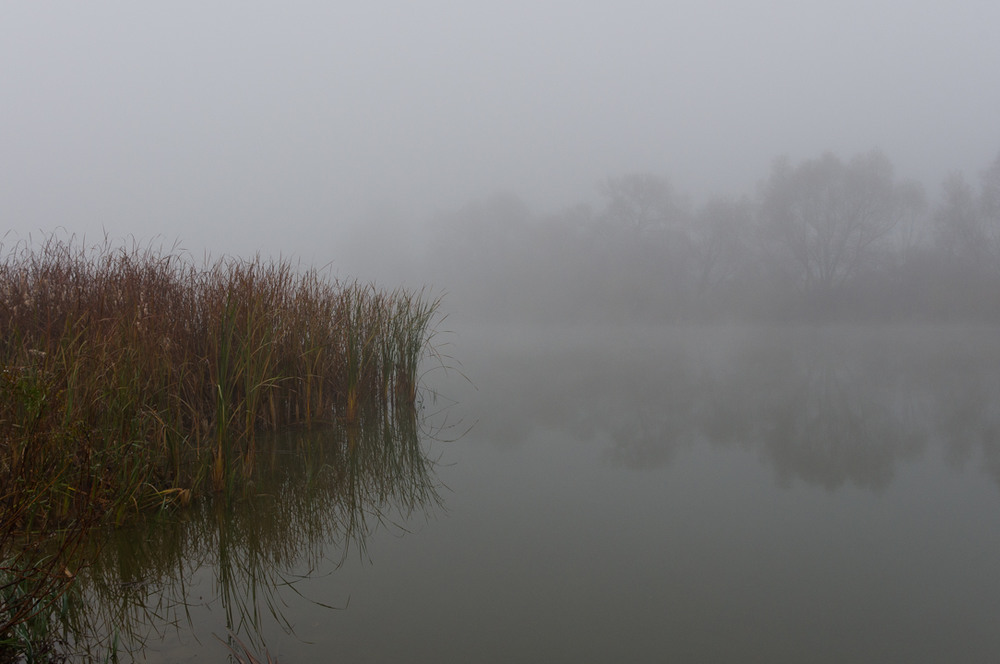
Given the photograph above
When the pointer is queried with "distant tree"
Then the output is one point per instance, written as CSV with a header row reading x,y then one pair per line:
x,y
910,234
718,235
644,258
640,202
968,222
959,230
991,189
825,217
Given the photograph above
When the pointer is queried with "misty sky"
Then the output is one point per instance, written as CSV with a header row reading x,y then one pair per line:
x,y
246,126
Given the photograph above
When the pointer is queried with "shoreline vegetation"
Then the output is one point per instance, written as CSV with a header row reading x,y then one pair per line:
x,y
132,378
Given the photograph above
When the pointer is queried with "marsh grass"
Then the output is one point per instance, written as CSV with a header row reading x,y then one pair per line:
x,y
133,378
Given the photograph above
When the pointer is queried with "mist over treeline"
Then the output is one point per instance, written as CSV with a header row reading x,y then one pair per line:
x,y
822,239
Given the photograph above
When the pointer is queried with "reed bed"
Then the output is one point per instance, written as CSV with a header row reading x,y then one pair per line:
x,y
132,377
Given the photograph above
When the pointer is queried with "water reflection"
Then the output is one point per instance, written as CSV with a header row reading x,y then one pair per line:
x,y
233,564
830,406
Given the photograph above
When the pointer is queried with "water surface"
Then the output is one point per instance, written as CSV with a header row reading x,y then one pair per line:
x,y
664,493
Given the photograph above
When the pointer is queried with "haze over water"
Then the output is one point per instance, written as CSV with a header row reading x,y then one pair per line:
x,y
240,128
721,317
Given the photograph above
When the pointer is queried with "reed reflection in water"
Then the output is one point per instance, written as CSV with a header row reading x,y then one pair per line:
x,y
226,568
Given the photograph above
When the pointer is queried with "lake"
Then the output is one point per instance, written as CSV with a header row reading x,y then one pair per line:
x,y
718,494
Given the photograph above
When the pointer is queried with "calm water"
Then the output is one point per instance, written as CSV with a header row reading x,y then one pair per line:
x,y
660,494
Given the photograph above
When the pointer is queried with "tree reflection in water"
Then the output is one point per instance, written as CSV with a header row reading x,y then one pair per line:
x,y
317,495
828,406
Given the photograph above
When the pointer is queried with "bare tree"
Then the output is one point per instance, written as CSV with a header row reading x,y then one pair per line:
x,y
959,233
640,202
644,244
825,217
968,222
719,247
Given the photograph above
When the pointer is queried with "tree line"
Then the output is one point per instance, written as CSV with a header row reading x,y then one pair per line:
x,y
822,239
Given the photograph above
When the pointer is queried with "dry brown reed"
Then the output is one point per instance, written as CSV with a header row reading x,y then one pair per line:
x,y
132,376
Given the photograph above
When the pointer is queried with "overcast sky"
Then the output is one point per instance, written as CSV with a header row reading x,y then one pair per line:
x,y
245,126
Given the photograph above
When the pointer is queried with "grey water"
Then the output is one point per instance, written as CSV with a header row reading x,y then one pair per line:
x,y
663,493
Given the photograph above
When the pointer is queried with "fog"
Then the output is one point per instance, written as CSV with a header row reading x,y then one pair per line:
x,y
635,212
371,137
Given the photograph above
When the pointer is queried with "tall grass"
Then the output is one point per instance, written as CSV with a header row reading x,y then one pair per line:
x,y
133,371
130,376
